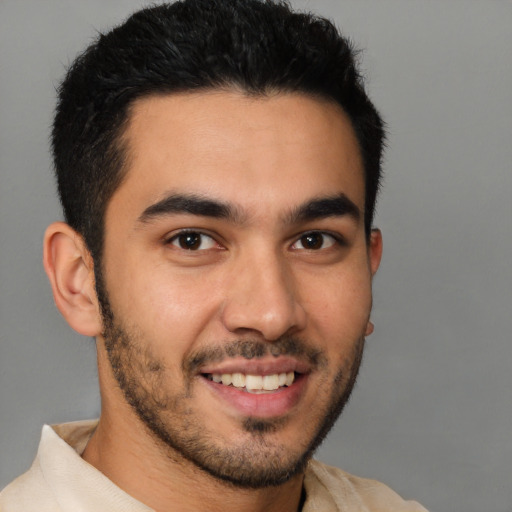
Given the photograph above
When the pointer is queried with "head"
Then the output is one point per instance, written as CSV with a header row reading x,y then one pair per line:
x,y
257,47
218,164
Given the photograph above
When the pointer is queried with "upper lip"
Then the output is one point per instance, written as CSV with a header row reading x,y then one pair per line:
x,y
268,365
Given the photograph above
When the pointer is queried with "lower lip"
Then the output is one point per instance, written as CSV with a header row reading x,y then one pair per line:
x,y
261,405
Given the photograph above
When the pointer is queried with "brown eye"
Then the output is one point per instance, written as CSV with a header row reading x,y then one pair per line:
x,y
193,241
314,241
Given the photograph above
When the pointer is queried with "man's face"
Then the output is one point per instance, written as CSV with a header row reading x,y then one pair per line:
x,y
238,277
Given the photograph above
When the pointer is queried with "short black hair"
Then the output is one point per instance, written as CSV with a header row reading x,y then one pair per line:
x,y
257,46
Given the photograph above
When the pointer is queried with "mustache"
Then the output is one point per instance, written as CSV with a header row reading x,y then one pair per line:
x,y
256,349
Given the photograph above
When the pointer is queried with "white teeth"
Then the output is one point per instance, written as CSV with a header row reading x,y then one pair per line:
x,y
255,382
226,379
238,380
270,382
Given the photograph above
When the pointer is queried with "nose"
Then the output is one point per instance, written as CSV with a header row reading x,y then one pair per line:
x,y
263,299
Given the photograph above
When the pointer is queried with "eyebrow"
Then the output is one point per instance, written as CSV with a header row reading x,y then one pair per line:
x,y
191,204
324,207
320,208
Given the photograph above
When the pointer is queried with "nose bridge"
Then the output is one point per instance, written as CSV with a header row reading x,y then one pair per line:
x,y
262,296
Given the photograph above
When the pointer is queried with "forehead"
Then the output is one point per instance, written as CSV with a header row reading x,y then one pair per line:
x,y
252,151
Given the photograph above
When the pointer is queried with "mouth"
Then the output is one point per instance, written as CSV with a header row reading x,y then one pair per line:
x,y
256,384
258,390
266,387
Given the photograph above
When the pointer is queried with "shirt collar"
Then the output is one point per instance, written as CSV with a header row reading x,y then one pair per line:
x,y
80,487
76,484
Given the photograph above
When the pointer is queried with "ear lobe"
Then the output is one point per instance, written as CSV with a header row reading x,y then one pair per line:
x,y
69,267
370,327
375,250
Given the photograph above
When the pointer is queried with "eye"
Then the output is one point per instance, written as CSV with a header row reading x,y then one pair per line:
x,y
314,241
193,241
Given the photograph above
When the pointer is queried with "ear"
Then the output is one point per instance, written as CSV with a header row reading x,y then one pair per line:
x,y
369,328
69,267
374,257
375,250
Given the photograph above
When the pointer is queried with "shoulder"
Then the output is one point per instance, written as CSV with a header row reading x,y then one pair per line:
x,y
29,492
346,489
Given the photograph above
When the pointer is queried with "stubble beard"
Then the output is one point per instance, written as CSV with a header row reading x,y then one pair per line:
x,y
256,463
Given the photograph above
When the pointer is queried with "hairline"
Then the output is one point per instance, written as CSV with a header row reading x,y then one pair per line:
x,y
121,141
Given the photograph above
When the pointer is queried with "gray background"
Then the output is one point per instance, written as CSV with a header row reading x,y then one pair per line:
x,y
432,411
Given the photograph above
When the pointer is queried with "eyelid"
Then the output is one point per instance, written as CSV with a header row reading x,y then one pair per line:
x,y
169,238
338,238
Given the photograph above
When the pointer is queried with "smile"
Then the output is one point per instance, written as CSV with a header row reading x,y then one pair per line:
x,y
253,383
266,387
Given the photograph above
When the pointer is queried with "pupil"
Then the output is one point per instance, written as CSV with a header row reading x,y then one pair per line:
x,y
312,241
190,241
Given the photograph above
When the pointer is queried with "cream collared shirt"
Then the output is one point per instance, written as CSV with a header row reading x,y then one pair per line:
x,y
61,481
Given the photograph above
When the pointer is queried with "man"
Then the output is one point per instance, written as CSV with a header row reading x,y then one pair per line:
x,y
218,164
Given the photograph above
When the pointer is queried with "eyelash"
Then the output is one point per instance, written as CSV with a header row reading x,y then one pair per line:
x,y
337,239
185,232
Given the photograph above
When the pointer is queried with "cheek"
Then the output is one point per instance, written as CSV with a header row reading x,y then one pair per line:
x,y
169,309
339,309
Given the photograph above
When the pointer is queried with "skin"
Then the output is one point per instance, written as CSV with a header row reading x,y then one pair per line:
x,y
253,280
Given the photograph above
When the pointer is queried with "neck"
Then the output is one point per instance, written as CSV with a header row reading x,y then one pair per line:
x,y
163,480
